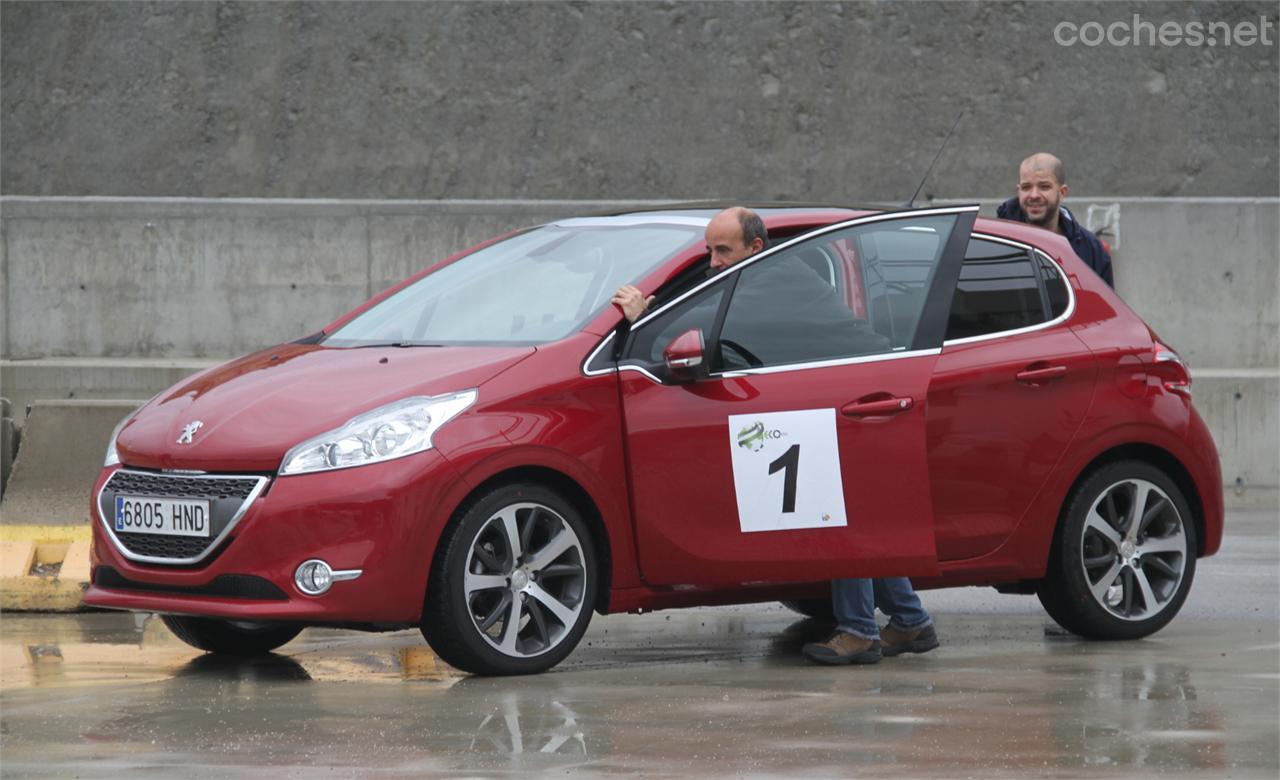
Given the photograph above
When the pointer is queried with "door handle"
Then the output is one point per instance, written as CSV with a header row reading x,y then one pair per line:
x,y
868,408
1035,375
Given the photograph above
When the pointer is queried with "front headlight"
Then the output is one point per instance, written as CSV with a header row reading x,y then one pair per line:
x,y
388,432
113,455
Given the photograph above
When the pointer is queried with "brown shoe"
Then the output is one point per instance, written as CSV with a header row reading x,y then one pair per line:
x,y
908,640
843,648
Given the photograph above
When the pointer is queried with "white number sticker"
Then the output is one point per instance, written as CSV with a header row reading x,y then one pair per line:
x,y
786,470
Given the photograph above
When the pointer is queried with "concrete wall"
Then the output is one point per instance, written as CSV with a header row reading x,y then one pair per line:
x,y
176,279
64,444
180,278
119,298
736,100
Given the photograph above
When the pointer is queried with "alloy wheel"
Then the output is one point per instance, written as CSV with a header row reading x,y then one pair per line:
x,y
1133,549
524,579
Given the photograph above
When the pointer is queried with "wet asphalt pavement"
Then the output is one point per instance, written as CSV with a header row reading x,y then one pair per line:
x,y
718,691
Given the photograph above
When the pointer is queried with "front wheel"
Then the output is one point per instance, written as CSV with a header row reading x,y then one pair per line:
x,y
1124,557
513,583
230,637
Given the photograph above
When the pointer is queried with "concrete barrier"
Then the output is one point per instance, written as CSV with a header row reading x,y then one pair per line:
x,y
193,278
9,439
63,445
26,381
185,279
1242,409
44,514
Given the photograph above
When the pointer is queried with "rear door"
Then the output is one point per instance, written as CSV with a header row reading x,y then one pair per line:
x,y
1011,389
800,455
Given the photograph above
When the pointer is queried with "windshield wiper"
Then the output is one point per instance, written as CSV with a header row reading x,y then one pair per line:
x,y
396,344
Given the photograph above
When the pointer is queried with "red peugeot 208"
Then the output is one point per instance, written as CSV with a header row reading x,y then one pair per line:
x,y
490,452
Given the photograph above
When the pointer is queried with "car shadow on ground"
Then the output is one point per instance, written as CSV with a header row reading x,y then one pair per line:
x,y
787,644
271,667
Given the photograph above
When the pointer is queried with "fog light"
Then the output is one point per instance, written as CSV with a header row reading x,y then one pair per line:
x,y
313,577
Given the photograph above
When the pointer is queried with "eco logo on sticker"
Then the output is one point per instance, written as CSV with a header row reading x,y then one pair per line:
x,y
752,437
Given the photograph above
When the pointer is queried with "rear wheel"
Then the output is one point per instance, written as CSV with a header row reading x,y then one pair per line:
x,y
1124,557
230,637
513,584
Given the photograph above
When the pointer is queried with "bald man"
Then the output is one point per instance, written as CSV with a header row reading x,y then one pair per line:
x,y
1042,186
732,236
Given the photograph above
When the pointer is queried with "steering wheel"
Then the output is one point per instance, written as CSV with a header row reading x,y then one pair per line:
x,y
747,355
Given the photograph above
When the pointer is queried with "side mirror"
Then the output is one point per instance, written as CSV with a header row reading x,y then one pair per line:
x,y
683,356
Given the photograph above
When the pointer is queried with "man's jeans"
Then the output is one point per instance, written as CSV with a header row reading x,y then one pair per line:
x,y
855,603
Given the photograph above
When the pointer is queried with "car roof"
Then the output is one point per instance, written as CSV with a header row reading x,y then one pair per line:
x,y
778,215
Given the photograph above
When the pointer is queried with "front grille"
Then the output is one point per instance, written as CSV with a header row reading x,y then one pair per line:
x,y
228,498
157,546
231,586
140,483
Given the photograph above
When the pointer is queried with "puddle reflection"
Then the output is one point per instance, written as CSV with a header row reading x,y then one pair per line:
x,y
142,649
1130,716
519,725
1124,707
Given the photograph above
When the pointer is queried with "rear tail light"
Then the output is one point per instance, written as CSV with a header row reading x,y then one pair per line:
x,y
1172,371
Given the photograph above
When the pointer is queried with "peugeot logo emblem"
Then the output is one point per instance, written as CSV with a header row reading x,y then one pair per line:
x,y
190,431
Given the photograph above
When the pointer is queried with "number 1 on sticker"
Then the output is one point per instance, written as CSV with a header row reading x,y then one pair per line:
x,y
789,460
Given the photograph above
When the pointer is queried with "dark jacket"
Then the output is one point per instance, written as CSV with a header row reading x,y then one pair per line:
x,y
783,312
1085,244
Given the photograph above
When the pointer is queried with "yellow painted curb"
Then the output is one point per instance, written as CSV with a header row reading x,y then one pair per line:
x,y
40,594
46,533
28,582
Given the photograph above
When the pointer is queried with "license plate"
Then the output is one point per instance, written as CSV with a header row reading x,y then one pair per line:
x,y
164,516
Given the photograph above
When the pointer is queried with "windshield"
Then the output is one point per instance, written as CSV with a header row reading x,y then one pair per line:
x,y
532,288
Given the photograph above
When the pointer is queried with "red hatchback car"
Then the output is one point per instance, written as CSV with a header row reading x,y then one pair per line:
x,y
490,452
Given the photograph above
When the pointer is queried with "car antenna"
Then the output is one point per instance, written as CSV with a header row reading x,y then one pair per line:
x,y
912,203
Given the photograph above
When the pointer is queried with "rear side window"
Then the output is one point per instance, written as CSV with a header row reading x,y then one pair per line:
x,y
999,290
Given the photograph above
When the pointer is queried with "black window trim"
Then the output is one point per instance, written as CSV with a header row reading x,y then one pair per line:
x,y
961,231
1049,323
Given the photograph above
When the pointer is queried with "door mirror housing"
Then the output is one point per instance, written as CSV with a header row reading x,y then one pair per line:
x,y
684,356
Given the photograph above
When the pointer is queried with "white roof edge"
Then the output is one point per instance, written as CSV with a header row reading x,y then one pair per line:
x,y
632,220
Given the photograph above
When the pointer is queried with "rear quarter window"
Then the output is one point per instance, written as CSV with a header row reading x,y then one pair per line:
x,y
999,290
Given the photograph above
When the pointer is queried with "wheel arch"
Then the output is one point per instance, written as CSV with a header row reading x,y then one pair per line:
x,y
1157,457
574,493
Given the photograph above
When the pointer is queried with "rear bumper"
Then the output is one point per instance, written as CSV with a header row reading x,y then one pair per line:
x,y
383,520
1208,478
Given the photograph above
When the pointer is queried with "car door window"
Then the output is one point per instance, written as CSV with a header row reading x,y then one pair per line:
x,y
849,293
697,312
999,290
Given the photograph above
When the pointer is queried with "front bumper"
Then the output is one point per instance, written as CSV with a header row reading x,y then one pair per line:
x,y
383,519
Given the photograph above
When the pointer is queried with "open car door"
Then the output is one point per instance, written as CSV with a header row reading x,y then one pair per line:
x,y
782,438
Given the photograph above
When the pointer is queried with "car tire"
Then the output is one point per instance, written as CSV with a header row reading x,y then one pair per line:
x,y
818,608
1124,556
520,556
227,637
